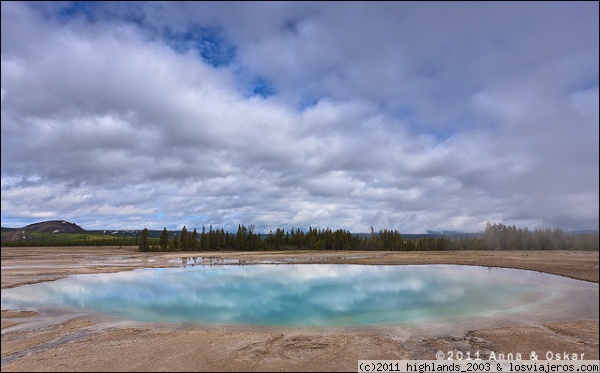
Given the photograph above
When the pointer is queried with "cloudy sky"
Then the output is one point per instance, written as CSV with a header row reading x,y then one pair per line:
x,y
398,115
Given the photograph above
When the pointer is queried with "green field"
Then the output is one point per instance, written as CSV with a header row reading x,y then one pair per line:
x,y
18,237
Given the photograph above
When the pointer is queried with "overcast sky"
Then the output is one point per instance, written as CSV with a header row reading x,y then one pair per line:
x,y
397,115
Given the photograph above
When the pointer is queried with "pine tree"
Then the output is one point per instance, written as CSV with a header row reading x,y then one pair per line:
x,y
240,238
203,240
144,241
194,240
175,243
164,240
184,239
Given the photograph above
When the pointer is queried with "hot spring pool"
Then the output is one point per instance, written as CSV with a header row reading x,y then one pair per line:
x,y
295,294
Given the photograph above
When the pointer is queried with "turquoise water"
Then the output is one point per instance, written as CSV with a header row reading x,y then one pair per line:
x,y
293,294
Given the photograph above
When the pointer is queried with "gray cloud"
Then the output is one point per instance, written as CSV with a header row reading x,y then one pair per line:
x,y
392,115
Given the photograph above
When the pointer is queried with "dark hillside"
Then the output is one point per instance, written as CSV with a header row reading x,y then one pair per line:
x,y
54,226
62,233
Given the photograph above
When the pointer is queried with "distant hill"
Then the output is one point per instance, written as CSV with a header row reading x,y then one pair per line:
x,y
33,232
63,233
54,226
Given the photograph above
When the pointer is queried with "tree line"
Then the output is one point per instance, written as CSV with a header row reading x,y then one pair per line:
x,y
503,237
495,237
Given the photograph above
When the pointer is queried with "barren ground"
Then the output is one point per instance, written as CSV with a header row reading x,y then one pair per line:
x,y
67,341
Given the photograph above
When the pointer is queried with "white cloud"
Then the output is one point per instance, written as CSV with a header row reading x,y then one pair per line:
x,y
403,118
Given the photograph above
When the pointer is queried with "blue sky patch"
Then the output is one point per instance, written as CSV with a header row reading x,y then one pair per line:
x,y
212,47
263,88
86,9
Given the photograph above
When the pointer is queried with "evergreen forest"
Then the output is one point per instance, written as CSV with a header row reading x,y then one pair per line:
x,y
496,237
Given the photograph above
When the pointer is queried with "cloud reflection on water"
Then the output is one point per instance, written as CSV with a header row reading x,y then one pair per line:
x,y
302,294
